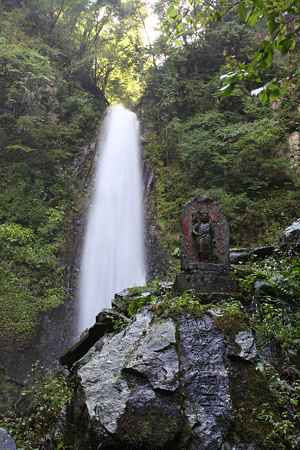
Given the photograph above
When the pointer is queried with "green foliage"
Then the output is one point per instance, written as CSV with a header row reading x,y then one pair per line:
x,y
235,151
279,20
276,317
283,429
42,399
29,279
139,302
171,188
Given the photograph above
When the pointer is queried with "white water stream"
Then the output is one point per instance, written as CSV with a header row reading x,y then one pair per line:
x,y
113,257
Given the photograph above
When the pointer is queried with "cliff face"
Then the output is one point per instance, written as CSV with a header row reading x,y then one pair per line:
x,y
163,384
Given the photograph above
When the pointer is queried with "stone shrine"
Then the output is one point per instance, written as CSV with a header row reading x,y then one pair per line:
x,y
204,246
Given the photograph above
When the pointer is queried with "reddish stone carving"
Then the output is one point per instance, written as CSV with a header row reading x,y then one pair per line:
x,y
191,257
204,248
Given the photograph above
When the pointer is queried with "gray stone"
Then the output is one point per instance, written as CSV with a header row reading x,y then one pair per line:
x,y
245,340
292,232
105,323
10,389
6,441
156,357
205,380
246,254
239,446
100,377
238,257
215,312
116,389
155,385
263,286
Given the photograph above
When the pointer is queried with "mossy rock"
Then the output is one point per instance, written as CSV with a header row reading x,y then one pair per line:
x,y
254,404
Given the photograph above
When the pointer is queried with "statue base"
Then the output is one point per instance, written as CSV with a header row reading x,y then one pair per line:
x,y
204,283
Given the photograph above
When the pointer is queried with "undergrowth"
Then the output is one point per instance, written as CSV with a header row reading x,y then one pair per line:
x,y
35,413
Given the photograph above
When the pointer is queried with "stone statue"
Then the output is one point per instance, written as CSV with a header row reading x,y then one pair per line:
x,y
205,265
202,232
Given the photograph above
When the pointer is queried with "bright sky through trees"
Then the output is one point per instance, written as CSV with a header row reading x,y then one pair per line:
x,y
152,25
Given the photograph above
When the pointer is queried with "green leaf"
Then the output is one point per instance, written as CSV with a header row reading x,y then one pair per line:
x,y
218,16
227,90
285,87
274,94
173,13
288,44
241,10
258,3
272,25
179,43
203,20
180,27
263,97
170,9
263,45
176,2
253,16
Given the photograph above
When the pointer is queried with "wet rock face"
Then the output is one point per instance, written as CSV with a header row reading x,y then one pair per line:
x,y
155,384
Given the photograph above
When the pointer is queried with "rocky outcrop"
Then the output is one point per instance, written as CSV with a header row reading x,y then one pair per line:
x,y
205,381
160,384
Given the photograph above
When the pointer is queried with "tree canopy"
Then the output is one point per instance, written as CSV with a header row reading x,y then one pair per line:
x,y
280,31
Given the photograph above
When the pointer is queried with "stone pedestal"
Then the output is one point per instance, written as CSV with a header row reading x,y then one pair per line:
x,y
204,248
199,283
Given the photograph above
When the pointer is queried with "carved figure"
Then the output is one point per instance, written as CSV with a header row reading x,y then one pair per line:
x,y
202,232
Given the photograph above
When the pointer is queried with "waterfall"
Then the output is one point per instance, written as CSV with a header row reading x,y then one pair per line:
x,y
113,257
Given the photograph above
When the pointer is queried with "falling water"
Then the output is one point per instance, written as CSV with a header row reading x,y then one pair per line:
x,y
113,257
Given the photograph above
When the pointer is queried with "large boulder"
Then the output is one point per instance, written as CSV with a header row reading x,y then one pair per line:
x,y
165,384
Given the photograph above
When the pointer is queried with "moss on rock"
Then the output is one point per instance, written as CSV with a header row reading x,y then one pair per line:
x,y
253,402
